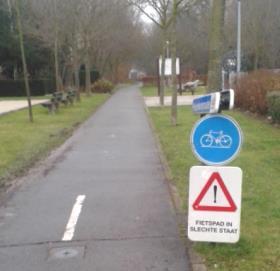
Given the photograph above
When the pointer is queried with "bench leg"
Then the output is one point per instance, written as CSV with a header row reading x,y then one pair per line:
x,y
50,109
56,107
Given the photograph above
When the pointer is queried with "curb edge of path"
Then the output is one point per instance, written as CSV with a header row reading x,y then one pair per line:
x,y
196,261
19,109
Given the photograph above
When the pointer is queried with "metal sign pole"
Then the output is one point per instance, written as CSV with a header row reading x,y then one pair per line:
x,y
158,75
238,37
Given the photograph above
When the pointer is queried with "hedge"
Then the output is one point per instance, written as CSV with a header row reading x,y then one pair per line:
x,y
252,89
16,88
273,100
94,76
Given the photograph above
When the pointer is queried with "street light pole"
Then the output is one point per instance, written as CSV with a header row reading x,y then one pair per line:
x,y
238,36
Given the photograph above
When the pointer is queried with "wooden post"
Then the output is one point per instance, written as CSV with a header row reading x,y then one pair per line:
x,y
158,77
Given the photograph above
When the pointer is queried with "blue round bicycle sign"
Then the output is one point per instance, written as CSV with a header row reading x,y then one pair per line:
x,y
216,139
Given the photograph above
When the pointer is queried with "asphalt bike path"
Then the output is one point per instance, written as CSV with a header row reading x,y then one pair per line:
x,y
102,204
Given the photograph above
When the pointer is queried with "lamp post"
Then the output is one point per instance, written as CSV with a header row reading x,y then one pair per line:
x,y
238,68
229,65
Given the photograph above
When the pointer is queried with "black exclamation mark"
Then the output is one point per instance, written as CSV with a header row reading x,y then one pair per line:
x,y
215,193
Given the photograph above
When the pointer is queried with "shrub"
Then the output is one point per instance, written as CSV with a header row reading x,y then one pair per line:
x,y
252,89
149,81
94,76
203,78
102,86
273,101
16,88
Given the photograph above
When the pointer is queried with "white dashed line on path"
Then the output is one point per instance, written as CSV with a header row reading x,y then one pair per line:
x,y
73,219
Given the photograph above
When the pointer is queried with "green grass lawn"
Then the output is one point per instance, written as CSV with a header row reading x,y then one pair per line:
x,y
152,91
23,143
259,246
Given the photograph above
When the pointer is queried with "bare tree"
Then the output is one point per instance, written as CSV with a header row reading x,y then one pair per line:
x,y
261,31
178,7
216,45
102,34
167,12
161,17
42,21
25,72
125,31
55,18
192,36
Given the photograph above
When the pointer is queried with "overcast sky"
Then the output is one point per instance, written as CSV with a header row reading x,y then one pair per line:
x,y
149,10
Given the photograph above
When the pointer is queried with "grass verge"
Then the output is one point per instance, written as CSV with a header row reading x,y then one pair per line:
x,y
258,248
23,143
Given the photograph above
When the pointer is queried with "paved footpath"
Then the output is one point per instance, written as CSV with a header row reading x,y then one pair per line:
x,y
9,106
101,205
181,100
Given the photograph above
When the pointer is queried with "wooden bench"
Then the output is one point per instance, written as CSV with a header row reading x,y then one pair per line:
x,y
54,102
60,98
71,95
189,86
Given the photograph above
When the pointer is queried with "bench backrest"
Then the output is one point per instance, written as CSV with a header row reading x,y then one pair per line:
x,y
57,96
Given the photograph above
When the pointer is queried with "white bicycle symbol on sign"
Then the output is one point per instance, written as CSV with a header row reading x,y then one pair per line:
x,y
216,140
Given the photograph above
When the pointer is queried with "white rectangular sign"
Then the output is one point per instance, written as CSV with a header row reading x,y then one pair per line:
x,y
207,104
214,204
168,66
214,102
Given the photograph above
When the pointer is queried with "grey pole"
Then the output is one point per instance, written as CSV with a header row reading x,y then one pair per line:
x,y
167,56
238,36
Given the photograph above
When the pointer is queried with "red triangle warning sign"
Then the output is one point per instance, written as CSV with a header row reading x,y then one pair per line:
x,y
198,206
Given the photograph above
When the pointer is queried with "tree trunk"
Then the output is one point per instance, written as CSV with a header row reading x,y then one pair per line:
x,y
25,72
68,77
173,42
116,71
15,72
162,68
162,79
256,59
77,80
216,46
76,69
87,66
57,79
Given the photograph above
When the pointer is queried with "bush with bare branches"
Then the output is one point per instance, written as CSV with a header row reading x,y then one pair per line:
x,y
252,89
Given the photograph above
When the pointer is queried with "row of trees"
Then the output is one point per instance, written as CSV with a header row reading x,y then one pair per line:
x,y
260,32
203,32
108,34
260,35
67,35
10,60
165,17
70,33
